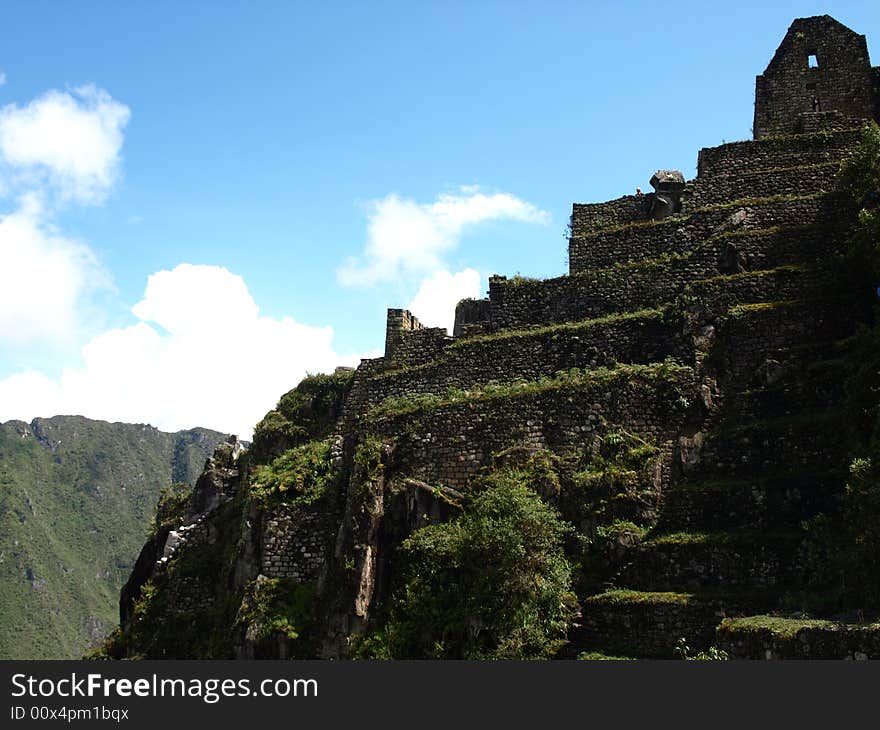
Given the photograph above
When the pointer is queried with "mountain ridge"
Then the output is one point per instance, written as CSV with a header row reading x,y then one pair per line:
x,y
76,496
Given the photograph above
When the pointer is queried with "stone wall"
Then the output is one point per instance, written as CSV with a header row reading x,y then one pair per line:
x,y
775,153
532,354
471,317
295,542
680,234
747,504
588,217
419,346
770,637
760,183
647,624
750,335
449,445
782,446
783,283
696,561
398,322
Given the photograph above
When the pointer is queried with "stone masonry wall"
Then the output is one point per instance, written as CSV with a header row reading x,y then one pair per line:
x,y
750,335
471,316
407,340
650,627
450,444
775,153
533,354
800,180
746,564
519,304
678,234
295,542
419,346
776,638
587,217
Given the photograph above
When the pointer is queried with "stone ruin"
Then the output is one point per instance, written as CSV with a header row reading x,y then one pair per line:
x,y
701,319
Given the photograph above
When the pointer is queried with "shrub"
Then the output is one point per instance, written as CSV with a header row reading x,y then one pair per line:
x,y
494,583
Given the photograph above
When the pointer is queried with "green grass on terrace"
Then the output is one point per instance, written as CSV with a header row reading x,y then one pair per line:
x,y
733,538
622,595
678,219
515,334
668,371
834,164
785,628
757,274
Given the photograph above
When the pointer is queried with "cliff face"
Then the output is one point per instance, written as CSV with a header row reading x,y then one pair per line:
x,y
604,462
76,497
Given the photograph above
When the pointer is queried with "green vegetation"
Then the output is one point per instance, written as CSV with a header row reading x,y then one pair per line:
x,y
171,507
612,493
622,596
758,274
164,628
712,654
300,476
595,656
783,628
76,497
277,607
493,583
743,310
844,544
678,219
307,412
744,538
519,335
668,372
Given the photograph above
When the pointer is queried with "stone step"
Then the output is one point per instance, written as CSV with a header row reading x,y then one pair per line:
x,y
449,439
774,637
751,337
766,248
799,179
763,503
529,354
776,152
782,283
801,381
696,562
815,440
650,624
680,234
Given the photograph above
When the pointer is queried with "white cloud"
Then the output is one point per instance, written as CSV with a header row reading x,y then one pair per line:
x,y
406,237
59,147
215,361
2,78
68,141
45,279
434,303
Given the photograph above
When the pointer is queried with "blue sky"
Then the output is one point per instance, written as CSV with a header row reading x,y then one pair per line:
x,y
314,164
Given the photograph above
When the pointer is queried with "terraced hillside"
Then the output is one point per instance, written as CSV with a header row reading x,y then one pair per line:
x,y
604,463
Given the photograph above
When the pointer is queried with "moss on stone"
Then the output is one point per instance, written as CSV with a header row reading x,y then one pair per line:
x,y
783,628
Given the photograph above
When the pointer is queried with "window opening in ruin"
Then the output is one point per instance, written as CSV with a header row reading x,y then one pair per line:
x,y
811,87
812,60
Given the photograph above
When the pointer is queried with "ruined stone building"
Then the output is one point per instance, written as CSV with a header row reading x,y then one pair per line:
x,y
702,320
